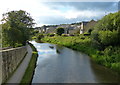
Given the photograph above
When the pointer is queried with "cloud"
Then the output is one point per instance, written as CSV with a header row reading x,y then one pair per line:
x,y
68,12
59,12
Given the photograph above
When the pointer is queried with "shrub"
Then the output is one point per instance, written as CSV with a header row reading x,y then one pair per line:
x,y
116,66
108,50
108,37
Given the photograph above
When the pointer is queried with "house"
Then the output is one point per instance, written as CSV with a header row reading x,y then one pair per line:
x,y
82,26
47,29
74,29
69,28
86,26
50,30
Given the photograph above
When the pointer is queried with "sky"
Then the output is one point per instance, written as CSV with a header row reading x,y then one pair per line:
x,y
53,12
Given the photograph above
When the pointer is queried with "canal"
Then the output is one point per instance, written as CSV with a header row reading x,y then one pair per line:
x,y
58,64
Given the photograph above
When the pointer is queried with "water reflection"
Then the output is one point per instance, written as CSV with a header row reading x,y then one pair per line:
x,y
57,64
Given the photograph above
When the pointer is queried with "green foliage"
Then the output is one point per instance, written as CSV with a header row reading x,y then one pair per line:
x,y
109,22
15,27
108,37
39,37
116,66
65,35
107,31
60,31
18,45
50,34
34,32
34,37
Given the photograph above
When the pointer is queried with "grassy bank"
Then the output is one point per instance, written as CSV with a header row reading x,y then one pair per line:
x,y
27,78
107,57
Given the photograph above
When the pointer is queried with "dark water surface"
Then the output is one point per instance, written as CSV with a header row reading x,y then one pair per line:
x,y
57,64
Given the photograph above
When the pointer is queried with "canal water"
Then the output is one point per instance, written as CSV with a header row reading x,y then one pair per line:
x,y
58,64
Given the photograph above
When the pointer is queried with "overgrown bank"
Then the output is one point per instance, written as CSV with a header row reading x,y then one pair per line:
x,y
107,57
27,78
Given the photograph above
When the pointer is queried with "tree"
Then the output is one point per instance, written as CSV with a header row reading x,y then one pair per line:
x,y
107,30
60,31
16,27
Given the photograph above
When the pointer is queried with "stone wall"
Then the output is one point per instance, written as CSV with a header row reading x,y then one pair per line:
x,y
10,59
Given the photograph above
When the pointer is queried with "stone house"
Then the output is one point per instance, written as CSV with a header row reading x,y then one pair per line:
x,y
86,26
50,30
69,28
74,29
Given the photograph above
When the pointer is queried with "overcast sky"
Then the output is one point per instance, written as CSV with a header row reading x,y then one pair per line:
x,y
59,12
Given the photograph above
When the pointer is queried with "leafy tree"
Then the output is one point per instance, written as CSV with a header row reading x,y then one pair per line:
x,y
16,27
107,30
60,31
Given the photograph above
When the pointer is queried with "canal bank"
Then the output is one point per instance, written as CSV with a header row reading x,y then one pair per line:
x,y
63,65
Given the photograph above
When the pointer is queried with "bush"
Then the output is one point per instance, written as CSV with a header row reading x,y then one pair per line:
x,y
108,50
34,37
108,37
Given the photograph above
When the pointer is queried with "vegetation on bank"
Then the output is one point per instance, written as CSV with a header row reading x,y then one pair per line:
x,y
103,45
27,78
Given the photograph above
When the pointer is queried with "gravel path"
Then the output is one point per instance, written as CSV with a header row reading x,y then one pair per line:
x,y
18,74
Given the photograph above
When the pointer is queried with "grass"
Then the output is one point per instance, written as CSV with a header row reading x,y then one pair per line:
x,y
27,78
